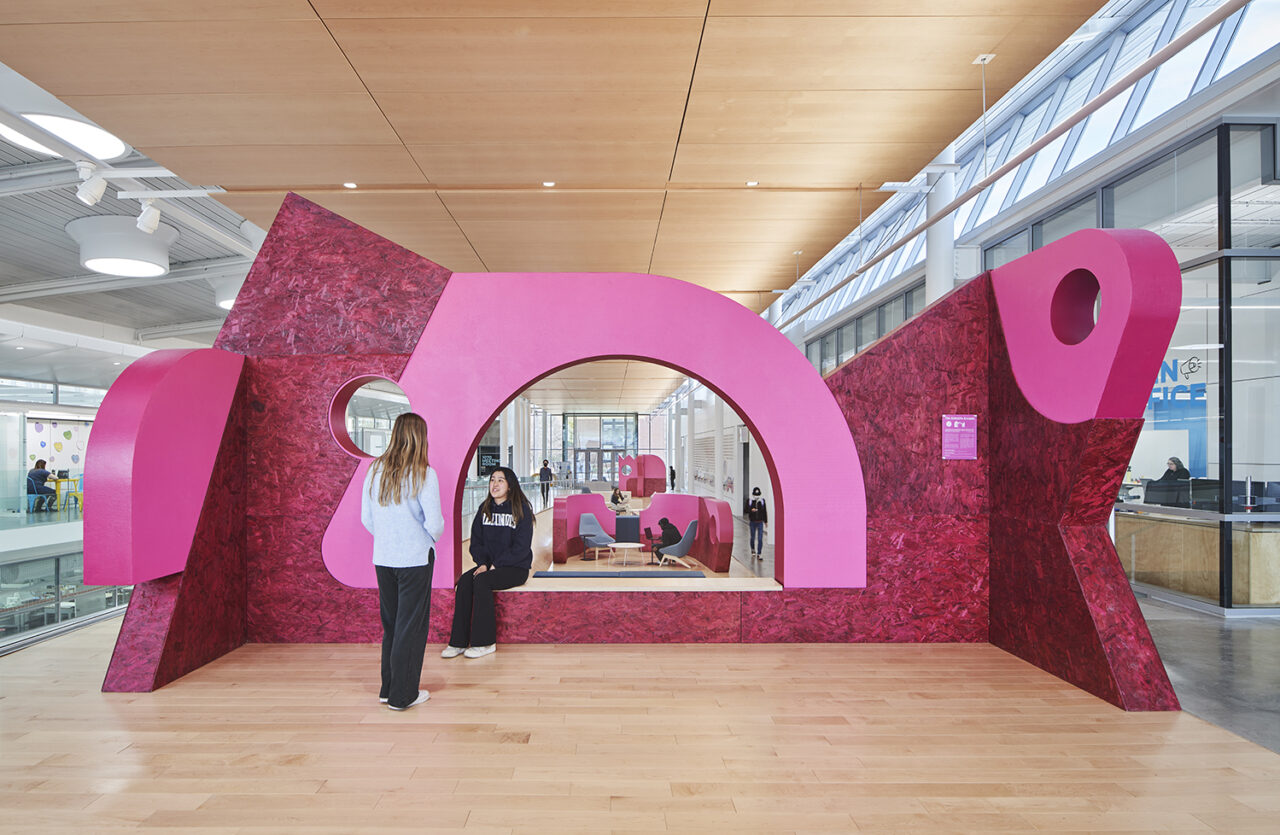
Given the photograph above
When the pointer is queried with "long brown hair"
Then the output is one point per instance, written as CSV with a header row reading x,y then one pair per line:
x,y
404,465
519,504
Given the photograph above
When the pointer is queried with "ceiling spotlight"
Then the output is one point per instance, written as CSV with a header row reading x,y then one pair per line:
x,y
349,185
753,183
225,290
549,183
91,190
149,219
20,348
985,58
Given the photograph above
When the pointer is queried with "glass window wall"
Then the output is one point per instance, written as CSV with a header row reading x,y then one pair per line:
x,y
40,594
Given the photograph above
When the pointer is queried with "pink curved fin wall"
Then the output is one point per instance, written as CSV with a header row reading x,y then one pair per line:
x,y
149,462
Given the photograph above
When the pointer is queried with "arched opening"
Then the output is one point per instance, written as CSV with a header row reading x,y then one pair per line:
x,y
594,465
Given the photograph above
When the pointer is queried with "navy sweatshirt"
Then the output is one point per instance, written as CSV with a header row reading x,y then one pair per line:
x,y
498,542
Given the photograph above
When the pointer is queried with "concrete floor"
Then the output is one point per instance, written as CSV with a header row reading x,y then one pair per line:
x,y
1224,671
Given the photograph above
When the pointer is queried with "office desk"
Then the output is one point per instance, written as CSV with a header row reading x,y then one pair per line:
x,y
63,486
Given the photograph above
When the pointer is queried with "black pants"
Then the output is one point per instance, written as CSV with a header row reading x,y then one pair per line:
x,y
546,488
44,492
474,624
404,596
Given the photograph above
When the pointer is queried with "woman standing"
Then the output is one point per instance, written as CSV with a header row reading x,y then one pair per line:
x,y
400,506
502,547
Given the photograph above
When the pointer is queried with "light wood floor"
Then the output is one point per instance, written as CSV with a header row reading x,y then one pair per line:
x,y
728,738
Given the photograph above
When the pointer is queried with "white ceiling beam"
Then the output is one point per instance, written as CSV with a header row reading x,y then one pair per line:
x,y
232,267
178,330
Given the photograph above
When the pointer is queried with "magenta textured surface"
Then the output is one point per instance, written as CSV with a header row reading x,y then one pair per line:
x,y
141,643
1059,598
323,285
619,617
299,476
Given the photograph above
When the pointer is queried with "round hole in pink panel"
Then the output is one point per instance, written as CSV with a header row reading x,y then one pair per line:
x,y
1073,311
362,412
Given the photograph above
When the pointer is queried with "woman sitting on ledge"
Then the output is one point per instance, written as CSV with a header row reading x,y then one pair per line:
x,y
619,502
502,546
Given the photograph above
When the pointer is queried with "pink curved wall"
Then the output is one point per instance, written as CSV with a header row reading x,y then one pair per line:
x,y
149,462
457,379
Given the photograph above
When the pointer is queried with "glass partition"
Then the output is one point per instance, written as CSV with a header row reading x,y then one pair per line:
x,y
40,594
1175,197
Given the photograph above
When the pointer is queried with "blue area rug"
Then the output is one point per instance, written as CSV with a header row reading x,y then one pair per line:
x,y
642,574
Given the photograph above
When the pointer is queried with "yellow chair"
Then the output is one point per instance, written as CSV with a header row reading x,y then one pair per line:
x,y
77,494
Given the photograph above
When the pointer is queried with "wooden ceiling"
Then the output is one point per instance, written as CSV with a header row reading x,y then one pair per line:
x,y
649,115
605,386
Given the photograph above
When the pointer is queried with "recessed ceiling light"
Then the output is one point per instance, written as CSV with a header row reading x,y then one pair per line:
x,y
19,348
549,183
115,363
753,183
349,185
128,267
24,141
91,139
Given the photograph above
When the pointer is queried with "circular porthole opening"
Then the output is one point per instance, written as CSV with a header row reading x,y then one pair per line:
x,y
363,412
1073,313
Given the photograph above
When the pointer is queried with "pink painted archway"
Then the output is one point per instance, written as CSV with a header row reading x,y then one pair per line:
x,y
470,359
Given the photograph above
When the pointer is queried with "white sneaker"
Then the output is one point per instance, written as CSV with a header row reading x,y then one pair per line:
x,y
480,652
383,699
452,652
423,695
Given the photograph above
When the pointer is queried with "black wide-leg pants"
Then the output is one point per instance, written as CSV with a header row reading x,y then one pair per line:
x,y
404,597
474,622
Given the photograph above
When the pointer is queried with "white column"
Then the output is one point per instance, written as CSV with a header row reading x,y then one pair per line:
x,y
718,424
686,478
504,433
940,239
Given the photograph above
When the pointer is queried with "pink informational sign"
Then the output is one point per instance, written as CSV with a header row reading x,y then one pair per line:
x,y
959,437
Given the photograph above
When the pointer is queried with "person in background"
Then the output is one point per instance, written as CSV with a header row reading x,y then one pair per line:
x,y
758,521
502,547
1175,471
673,479
618,502
39,475
400,506
545,477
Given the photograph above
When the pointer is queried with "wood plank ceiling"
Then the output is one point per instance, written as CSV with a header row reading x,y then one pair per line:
x,y
649,115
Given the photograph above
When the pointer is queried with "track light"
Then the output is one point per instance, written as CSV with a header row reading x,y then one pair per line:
x,y
149,219
91,190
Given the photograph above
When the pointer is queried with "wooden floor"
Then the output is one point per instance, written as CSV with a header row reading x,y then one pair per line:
x,y
709,738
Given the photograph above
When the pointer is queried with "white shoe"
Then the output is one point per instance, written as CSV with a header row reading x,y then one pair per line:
x,y
452,652
423,695
480,652
383,699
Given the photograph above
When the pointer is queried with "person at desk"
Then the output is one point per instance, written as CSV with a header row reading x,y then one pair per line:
x,y
1175,472
618,502
502,546
37,476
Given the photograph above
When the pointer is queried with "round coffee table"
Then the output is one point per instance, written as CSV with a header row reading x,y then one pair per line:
x,y
623,549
